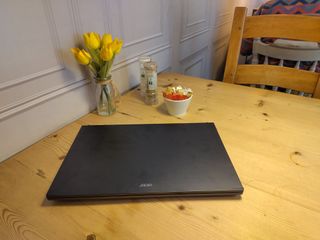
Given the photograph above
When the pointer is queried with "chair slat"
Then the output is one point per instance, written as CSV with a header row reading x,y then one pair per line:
x,y
284,77
306,28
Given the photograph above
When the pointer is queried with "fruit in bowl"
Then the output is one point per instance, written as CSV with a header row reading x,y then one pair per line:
x,y
177,93
177,99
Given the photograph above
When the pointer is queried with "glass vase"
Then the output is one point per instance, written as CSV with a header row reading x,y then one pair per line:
x,y
107,96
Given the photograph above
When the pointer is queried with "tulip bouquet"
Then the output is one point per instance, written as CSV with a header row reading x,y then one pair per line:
x,y
100,53
99,56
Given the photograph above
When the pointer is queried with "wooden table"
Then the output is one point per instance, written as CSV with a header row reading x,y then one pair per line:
x,y
272,138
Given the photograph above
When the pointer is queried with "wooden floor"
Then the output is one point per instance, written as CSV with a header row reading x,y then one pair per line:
x,y
273,140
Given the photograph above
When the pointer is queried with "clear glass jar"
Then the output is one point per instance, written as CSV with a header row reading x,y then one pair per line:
x,y
107,95
143,82
151,96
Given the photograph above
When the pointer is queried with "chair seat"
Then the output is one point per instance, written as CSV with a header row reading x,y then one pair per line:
x,y
294,44
288,50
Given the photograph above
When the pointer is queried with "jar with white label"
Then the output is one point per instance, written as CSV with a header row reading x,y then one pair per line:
x,y
143,82
151,96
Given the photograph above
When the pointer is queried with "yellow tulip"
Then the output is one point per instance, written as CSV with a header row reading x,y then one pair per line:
x,y
106,53
116,45
106,39
92,40
81,55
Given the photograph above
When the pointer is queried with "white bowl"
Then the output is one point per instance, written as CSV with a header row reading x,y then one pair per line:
x,y
177,107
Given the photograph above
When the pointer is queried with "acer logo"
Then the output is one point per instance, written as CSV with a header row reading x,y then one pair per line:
x,y
145,185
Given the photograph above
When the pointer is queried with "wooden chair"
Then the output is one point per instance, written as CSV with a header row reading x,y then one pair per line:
x,y
283,50
298,27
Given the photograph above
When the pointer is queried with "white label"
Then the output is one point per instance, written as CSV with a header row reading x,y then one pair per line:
x,y
152,81
142,78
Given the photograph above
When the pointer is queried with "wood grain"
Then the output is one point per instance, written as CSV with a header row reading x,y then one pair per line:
x,y
274,150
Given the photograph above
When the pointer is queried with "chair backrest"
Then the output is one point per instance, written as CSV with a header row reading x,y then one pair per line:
x,y
298,27
298,54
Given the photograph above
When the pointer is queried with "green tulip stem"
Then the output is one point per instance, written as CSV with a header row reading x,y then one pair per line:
x,y
108,98
103,70
95,56
110,65
92,69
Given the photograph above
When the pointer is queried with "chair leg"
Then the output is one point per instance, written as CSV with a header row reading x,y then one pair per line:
x,y
314,66
266,61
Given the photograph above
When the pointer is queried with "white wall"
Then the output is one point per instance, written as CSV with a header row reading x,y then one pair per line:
x,y
42,88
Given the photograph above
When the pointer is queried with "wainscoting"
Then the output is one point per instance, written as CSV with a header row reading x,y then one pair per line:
x,y
42,88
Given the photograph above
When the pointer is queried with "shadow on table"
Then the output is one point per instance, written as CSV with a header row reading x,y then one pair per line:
x,y
162,109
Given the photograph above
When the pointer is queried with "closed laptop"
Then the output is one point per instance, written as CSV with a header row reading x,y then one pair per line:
x,y
147,160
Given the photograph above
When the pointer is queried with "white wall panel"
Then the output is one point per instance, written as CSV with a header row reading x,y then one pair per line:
x,y
195,69
194,44
196,64
20,43
142,24
27,127
195,17
196,12
28,49
42,87
91,15
30,89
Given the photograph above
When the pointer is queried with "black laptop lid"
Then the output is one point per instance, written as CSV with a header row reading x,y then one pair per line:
x,y
153,160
